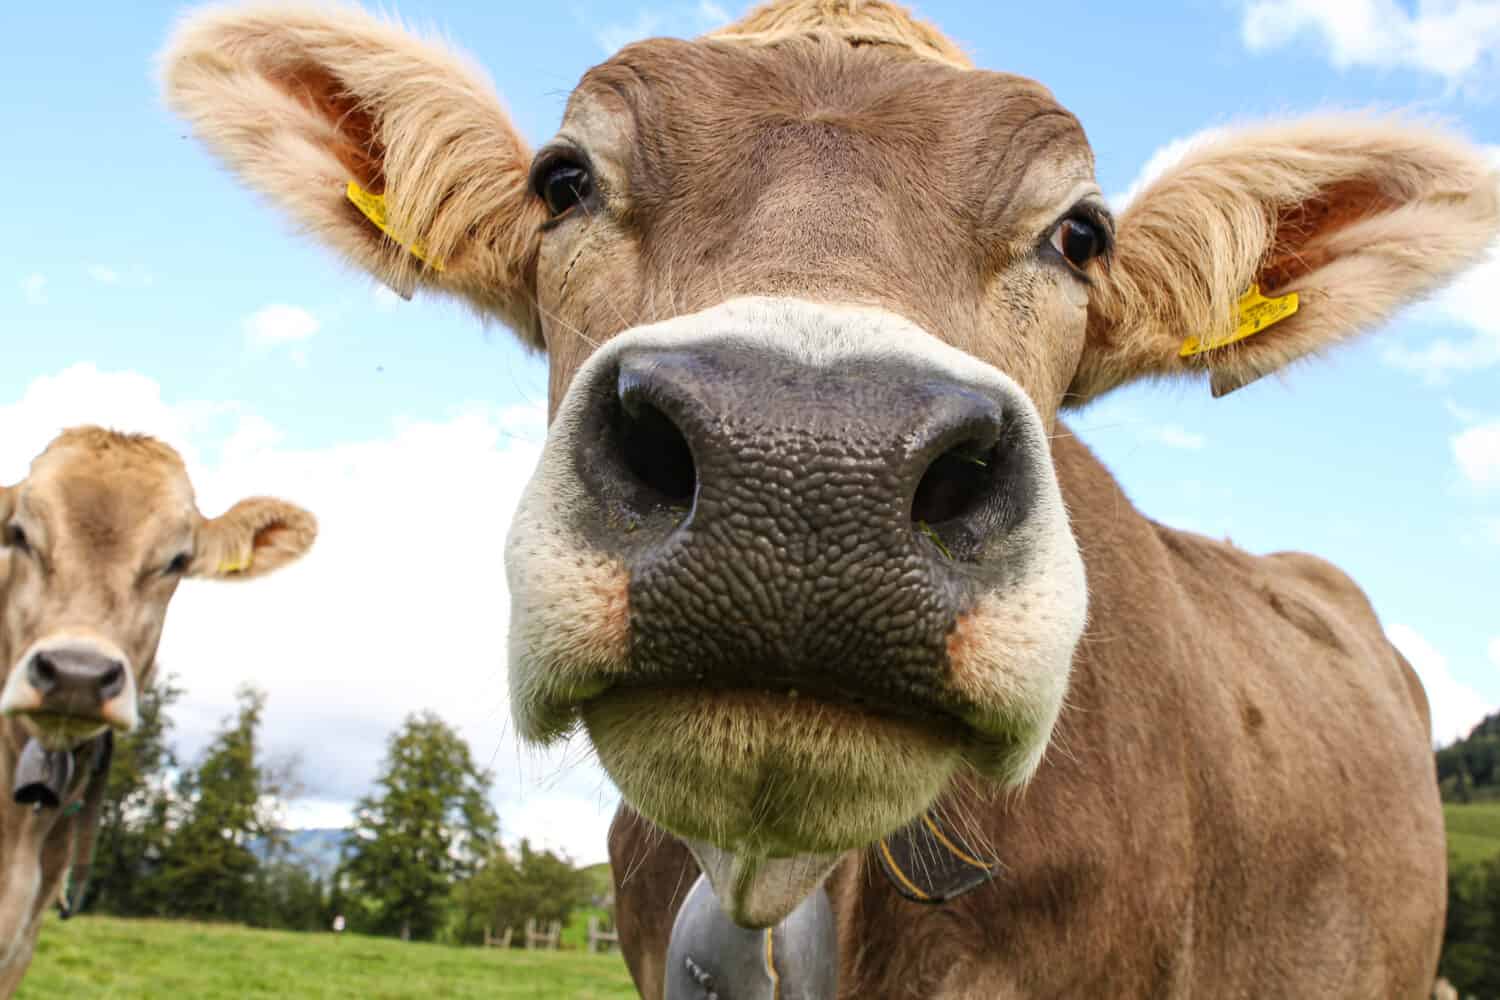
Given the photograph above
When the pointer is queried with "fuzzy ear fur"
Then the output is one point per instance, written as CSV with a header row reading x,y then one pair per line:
x,y
1357,215
254,537
301,101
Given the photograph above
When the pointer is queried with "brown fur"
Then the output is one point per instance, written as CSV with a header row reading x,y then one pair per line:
x,y
853,22
1199,827
104,513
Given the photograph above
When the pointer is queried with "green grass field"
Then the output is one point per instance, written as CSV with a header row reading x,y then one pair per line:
x,y
98,957
1473,830
101,957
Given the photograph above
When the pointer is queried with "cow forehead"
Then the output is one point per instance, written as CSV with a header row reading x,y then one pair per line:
x,y
895,178
109,492
741,108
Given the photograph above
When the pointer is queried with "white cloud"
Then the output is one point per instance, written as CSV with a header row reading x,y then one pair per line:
x,y
614,37
1495,651
278,324
1456,707
385,299
1174,436
82,394
34,289
1461,413
712,13
1447,38
1112,417
1477,450
680,20
135,278
1161,161
401,605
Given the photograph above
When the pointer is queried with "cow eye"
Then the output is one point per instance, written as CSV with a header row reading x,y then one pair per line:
x,y
16,538
1078,241
179,564
562,183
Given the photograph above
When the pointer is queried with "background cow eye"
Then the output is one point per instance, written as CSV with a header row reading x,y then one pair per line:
x,y
179,564
16,538
1078,241
562,184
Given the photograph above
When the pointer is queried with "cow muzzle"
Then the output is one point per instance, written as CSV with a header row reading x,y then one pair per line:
x,y
792,565
67,691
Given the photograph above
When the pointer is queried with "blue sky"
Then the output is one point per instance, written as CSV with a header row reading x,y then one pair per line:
x,y
140,285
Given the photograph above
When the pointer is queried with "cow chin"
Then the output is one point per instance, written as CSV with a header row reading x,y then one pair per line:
x,y
769,774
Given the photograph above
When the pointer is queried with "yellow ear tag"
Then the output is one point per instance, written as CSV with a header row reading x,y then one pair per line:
x,y
1256,312
372,207
232,565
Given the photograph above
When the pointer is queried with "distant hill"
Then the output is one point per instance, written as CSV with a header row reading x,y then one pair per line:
x,y
316,850
1469,769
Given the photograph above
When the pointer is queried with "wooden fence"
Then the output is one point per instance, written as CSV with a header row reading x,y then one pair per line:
x,y
548,937
599,936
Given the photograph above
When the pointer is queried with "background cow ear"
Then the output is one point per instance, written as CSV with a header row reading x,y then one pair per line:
x,y
252,538
393,151
1336,221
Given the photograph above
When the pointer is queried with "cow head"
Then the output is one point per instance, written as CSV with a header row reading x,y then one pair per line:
x,y
96,539
813,291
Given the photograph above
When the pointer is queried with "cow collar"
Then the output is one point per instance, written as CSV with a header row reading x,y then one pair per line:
x,y
928,862
709,957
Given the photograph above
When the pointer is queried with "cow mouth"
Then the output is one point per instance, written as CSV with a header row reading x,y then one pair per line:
x,y
788,691
773,770
61,731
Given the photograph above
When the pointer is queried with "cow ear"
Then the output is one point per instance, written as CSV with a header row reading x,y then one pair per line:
x,y
252,538
1269,244
393,151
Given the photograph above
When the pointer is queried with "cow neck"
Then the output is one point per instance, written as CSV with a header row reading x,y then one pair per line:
x,y
709,955
26,832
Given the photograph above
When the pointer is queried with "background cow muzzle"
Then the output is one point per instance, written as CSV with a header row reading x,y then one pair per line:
x,y
796,526
69,690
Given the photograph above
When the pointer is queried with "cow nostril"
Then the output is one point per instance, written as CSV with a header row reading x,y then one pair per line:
x,y
42,673
955,484
112,681
655,451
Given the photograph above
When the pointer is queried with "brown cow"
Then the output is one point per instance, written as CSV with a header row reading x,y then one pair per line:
x,y
96,539
809,552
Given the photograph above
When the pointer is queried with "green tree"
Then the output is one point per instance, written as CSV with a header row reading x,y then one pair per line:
x,y
228,801
133,819
506,890
428,825
1471,939
288,897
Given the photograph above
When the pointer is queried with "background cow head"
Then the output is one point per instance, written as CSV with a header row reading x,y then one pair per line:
x,y
813,292
96,539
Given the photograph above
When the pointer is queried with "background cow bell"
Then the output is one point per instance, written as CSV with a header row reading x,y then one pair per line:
x,y
42,776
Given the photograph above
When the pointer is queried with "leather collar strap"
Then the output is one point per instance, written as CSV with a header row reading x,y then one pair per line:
x,y
928,862
86,832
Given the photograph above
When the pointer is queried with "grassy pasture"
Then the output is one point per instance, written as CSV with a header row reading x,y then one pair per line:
x,y
93,958
1473,830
